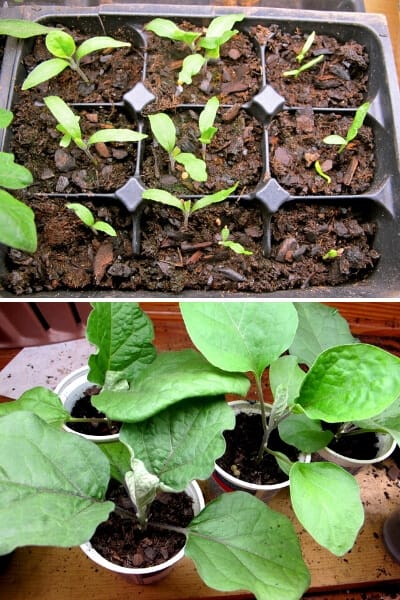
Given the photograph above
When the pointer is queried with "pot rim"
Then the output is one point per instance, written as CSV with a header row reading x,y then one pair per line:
x,y
194,491
369,461
72,384
251,406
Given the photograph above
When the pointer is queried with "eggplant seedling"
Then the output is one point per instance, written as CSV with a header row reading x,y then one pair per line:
x,y
68,125
17,224
235,246
308,65
163,129
206,123
62,46
87,218
319,170
188,207
306,47
352,132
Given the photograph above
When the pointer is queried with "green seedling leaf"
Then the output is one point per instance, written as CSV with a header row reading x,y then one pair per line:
x,y
68,120
189,440
115,135
334,139
240,336
163,129
206,120
17,224
234,246
352,132
168,29
42,402
180,375
286,371
303,433
119,458
105,228
307,45
237,536
195,167
6,117
52,485
326,500
321,173
350,383
83,213
60,44
123,335
22,29
308,65
332,253
320,327
12,175
98,43
163,197
220,25
213,198
45,71
191,66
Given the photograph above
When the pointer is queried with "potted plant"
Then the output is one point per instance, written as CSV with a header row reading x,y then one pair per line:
x,y
174,415
297,238
344,382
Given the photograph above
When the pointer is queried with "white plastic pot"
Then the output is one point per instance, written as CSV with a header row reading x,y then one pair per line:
x,y
148,575
386,445
222,481
70,389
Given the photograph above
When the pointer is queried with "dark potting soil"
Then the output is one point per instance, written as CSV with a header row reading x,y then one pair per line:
x,y
83,408
361,447
121,541
242,446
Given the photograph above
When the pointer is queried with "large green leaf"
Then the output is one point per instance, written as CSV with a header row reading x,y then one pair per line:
x,y
326,500
182,442
388,421
237,542
123,334
240,336
172,377
320,327
41,401
52,485
350,383
17,224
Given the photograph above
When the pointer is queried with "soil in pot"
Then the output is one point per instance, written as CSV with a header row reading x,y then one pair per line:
x,y
360,447
121,541
83,408
339,80
70,256
242,446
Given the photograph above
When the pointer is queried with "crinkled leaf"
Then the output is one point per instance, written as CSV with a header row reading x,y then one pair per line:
x,y
303,433
213,198
17,224
326,500
163,197
60,44
388,421
286,371
191,66
12,175
52,485
189,440
238,543
195,167
45,71
6,117
123,334
41,401
240,336
142,488
350,383
98,43
21,28
172,377
320,327
115,135
163,129
119,458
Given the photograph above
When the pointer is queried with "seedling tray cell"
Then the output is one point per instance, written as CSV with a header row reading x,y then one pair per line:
x,y
377,202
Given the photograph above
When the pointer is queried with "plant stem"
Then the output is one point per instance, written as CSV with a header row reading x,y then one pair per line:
x,y
76,67
266,431
88,420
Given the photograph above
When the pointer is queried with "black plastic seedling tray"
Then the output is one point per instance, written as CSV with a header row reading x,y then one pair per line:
x,y
381,201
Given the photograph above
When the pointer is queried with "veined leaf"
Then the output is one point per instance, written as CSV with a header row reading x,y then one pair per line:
x,y
303,433
40,401
285,370
387,421
119,459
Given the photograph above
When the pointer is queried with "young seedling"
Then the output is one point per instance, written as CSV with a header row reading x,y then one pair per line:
x,y
308,65
163,129
68,125
352,132
17,224
332,253
188,207
62,46
235,246
167,29
307,45
206,123
321,172
86,216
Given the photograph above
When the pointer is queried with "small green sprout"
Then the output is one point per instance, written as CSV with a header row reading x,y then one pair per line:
x,y
62,46
206,123
163,129
87,218
352,132
167,29
332,253
68,125
320,172
307,45
17,220
235,246
308,65
188,207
